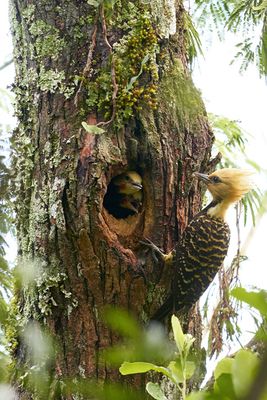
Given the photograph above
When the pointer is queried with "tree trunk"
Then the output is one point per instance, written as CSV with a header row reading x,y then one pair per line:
x,y
121,65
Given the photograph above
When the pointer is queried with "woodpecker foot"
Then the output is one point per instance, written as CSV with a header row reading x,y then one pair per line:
x,y
157,254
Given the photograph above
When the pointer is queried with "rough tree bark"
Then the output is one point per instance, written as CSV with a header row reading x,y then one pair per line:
x,y
126,63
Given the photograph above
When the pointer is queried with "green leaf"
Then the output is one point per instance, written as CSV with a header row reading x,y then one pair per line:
x,y
128,368
155,391
3,310
193,38
116,355
94,3
178,333
121,322
4,367
224,367
197,396
243,371
139,367
224,387
190,367
95,130
134,78
261,6
176,370
189,340
257,300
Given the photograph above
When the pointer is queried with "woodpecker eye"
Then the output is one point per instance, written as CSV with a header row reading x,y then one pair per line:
x,y
215,179
127,178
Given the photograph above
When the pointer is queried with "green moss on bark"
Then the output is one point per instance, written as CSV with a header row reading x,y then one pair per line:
x,y
181,98
134,60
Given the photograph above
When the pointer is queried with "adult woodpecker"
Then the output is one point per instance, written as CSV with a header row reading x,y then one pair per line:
x,y
124,195
204,244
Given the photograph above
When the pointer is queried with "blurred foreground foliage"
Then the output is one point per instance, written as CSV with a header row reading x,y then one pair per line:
x,y
147,350
234,377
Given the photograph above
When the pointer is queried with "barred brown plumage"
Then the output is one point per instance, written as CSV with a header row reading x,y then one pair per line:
x,y
203,247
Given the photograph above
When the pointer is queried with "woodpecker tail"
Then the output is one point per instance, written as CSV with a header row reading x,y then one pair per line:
x,y
167,307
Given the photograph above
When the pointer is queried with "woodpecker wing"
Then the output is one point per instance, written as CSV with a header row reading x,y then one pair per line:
x,y
198,258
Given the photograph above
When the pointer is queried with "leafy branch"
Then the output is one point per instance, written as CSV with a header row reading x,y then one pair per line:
x,y
231,141
249,18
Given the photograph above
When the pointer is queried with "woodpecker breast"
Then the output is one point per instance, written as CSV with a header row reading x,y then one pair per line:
x,y
199,256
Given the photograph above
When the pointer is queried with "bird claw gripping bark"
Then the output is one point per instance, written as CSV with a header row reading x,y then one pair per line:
x,y
157,253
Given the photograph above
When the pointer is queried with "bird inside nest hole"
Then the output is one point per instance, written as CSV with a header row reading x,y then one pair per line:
x,y
124,195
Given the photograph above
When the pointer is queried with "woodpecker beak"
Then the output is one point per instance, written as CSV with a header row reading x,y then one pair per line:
x,y
203,177
133,208
138,186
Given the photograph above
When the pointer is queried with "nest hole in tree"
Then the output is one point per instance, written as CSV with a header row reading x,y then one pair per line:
x,y
124,195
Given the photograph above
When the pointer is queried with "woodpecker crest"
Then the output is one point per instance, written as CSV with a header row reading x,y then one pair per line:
x,y
226,186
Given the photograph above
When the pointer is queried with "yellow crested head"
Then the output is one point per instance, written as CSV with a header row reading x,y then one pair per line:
x,y
227,186
129,182
230,184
